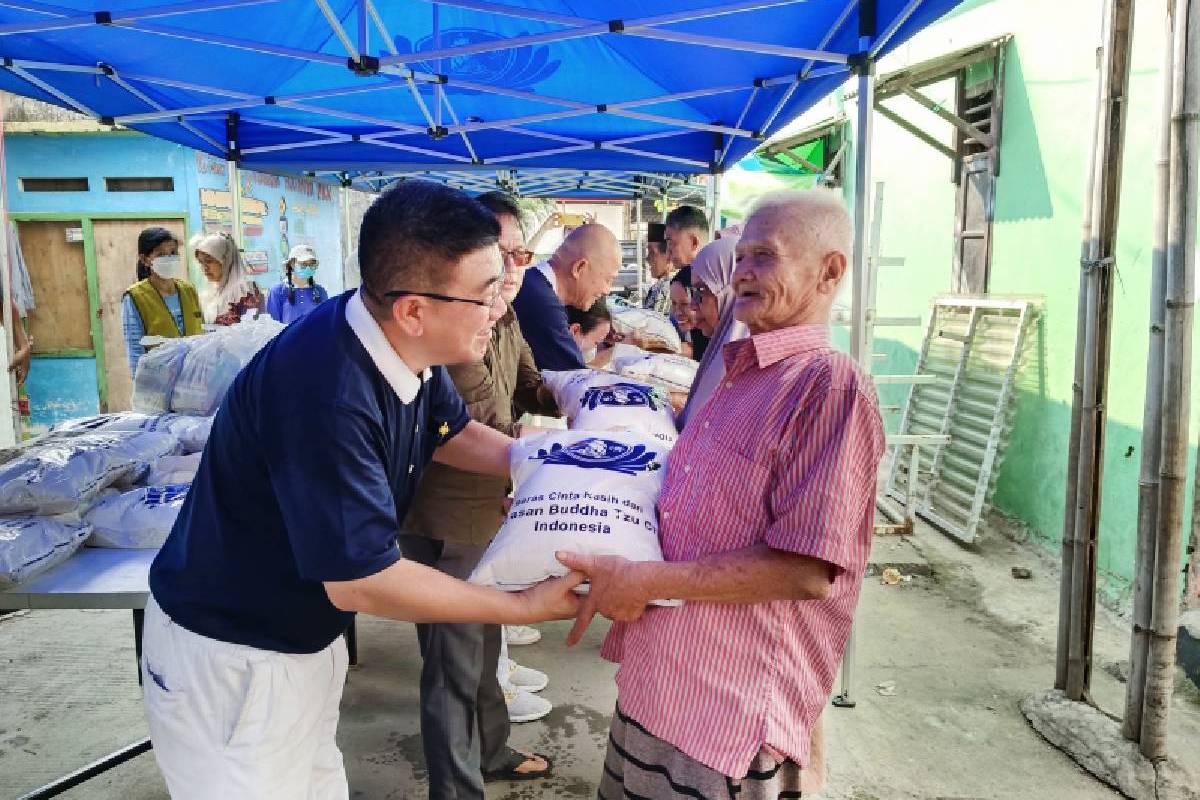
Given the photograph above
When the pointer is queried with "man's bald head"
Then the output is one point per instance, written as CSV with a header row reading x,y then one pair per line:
x,y
586,263
791,257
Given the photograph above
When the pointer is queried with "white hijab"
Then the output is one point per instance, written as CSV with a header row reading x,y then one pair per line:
x,y
713,267
234,284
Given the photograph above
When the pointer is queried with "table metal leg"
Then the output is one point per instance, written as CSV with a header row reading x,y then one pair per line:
x,y
139,621
90,771
352,644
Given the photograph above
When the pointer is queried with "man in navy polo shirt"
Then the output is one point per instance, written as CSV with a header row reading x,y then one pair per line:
x,y
580,272
291,523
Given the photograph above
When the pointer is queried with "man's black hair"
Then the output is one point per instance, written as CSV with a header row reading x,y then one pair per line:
x,y
686,217
414,234
500,203
149,239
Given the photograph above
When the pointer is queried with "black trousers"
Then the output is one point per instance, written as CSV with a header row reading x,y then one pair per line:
x,y
464,719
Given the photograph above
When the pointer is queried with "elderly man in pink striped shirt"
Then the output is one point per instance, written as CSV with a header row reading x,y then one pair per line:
x,y
765,517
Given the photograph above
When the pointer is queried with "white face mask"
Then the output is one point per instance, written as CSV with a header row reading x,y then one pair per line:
x,y
168,266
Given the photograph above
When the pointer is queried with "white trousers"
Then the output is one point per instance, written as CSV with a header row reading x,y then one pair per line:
x,y
230,722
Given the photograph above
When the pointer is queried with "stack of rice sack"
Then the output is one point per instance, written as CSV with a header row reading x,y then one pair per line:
x,y
191,375
654,330
668,370
591,489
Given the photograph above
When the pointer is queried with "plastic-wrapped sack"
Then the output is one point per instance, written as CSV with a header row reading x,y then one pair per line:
x,y
650,327
31,545
173,470
157,372
138,519
191,431
59,476
600,401
660,369
207,372
591,493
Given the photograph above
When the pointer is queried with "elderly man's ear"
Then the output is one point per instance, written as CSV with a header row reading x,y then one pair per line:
x,y
833,269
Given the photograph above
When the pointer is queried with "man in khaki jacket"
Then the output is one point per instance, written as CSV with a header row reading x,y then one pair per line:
x,y
464,718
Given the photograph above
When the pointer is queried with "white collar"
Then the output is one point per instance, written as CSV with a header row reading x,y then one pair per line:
x,y
402,379
548,271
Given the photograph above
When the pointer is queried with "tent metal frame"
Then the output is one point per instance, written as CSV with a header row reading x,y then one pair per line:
x,y
390,72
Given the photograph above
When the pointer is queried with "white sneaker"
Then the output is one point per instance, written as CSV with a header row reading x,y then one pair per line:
x,y
527,678
521,634
525,706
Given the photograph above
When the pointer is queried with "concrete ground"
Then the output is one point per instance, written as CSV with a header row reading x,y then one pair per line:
x,y
941,664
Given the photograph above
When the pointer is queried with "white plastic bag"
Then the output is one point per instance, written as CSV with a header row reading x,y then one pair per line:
x,y
600,401
63,475
173,470
591,493
157,372
208,370
138,519
31,545
660,369
650,327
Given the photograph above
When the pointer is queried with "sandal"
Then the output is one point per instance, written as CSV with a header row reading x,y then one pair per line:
x,y
509,771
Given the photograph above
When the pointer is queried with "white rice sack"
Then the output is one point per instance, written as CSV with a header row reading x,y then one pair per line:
x,y
660,369
584,492
191,431
59,476
650,327
600,401
31,545
173,470
208,370
157,372
245,339
138,519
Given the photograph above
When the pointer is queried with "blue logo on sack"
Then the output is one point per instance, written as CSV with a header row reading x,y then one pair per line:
x,y
165,495
621,394
601,454
515,68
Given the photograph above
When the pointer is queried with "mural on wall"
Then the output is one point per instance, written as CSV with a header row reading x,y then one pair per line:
x,y
278,213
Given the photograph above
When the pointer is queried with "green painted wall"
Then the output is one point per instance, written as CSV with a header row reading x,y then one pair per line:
x,y
1049,106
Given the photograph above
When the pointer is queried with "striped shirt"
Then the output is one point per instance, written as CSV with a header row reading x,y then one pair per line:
x,y
784,453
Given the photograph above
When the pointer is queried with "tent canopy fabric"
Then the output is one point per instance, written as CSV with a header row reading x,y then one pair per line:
x,y
662,86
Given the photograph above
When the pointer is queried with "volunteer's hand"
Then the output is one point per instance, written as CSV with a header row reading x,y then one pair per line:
x,y
20,364
553,599
616,590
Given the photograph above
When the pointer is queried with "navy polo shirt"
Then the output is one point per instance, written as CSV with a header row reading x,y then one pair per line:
x,y
313,461
544,323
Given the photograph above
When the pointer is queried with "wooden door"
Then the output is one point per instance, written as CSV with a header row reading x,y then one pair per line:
x,y
116,270
973,226
60,321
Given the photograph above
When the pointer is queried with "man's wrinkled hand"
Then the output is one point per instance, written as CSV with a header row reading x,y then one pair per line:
x,y
615,590
554,598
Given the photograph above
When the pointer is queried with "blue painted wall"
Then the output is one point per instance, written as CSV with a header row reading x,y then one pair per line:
x,y
293,211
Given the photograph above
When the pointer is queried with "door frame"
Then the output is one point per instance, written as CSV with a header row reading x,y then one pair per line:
x,y
85,219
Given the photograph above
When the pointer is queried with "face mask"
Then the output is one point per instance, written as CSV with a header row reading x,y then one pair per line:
x,y
306,273
168,266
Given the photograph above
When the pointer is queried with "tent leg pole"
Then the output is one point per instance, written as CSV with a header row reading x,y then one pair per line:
x,y
10,342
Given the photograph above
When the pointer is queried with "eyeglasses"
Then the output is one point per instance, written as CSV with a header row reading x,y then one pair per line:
x,y
487,302
519,256
699,293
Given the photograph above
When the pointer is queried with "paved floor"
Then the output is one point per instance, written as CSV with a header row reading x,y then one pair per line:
x,y
962,643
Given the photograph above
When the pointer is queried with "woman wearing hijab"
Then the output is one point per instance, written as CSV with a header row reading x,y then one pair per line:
x,y
230,292
299,293
712,293
161,303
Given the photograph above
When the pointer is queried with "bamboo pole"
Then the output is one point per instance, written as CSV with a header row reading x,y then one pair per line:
x,y
1065,595
1148,482
1096,302
1177,374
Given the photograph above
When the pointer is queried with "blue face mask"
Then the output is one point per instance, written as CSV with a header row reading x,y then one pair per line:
x,y
306,273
